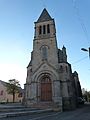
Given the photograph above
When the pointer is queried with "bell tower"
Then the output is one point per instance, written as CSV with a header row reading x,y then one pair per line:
x,y
42,82
45,43
45,26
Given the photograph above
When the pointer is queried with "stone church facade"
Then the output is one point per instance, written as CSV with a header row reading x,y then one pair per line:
x,y
50,81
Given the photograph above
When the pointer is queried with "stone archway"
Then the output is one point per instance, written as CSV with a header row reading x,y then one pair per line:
x,y
46,89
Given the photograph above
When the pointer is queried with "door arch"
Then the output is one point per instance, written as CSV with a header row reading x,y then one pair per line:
x,y
46,89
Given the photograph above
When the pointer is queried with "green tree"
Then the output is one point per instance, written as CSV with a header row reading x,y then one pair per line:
x,y
13,87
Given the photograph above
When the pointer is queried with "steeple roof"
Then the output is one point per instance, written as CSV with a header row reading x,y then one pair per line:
x,y
44,16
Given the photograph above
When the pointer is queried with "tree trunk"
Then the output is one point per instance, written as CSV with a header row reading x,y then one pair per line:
x,y
13,97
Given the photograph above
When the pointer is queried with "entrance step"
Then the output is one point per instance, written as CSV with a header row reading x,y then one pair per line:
x,y
43,105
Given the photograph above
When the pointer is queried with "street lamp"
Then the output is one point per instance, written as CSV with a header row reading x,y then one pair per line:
x,y
86,50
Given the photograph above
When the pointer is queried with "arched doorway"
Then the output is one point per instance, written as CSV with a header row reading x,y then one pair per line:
x,y
46,89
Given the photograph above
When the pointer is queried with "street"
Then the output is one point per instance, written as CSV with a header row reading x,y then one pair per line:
x,y
82,113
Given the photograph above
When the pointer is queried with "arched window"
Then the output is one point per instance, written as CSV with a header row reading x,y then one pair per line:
x,y
44,29
40,30
44,53
48,28
61,68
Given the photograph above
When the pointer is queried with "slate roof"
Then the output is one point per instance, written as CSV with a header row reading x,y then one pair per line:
x,y
44,16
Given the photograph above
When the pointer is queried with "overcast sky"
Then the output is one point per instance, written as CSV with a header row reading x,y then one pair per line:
x,y
17,17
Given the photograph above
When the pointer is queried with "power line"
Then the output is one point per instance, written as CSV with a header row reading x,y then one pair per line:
x,y
80,60
81,21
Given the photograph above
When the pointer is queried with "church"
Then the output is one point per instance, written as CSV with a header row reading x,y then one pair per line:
x,y
50,81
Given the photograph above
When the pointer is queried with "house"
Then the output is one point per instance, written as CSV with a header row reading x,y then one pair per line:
x,y
5,97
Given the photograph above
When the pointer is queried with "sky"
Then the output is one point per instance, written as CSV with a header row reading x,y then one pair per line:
x,y
17,17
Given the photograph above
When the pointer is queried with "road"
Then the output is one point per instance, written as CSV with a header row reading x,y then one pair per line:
x,y
82,113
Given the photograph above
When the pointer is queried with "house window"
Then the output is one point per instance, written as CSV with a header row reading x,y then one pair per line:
x,y
48,28
44,29
1,92
40,30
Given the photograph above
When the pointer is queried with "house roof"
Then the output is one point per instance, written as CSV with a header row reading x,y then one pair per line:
x,y
2,82
44,16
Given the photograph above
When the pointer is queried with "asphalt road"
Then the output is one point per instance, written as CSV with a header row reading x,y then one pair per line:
x,y
82,113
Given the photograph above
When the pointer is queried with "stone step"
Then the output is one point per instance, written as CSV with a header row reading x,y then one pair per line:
x,y
17,110
42,105
13,114
14,108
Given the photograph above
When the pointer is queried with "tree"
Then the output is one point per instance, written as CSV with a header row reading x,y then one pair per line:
x,y
13,87
86,95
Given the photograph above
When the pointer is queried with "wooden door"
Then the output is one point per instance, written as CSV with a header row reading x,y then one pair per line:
x,y
46,89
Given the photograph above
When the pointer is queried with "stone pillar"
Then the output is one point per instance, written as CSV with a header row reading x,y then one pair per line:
x,y
34,92
57,95
56,86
